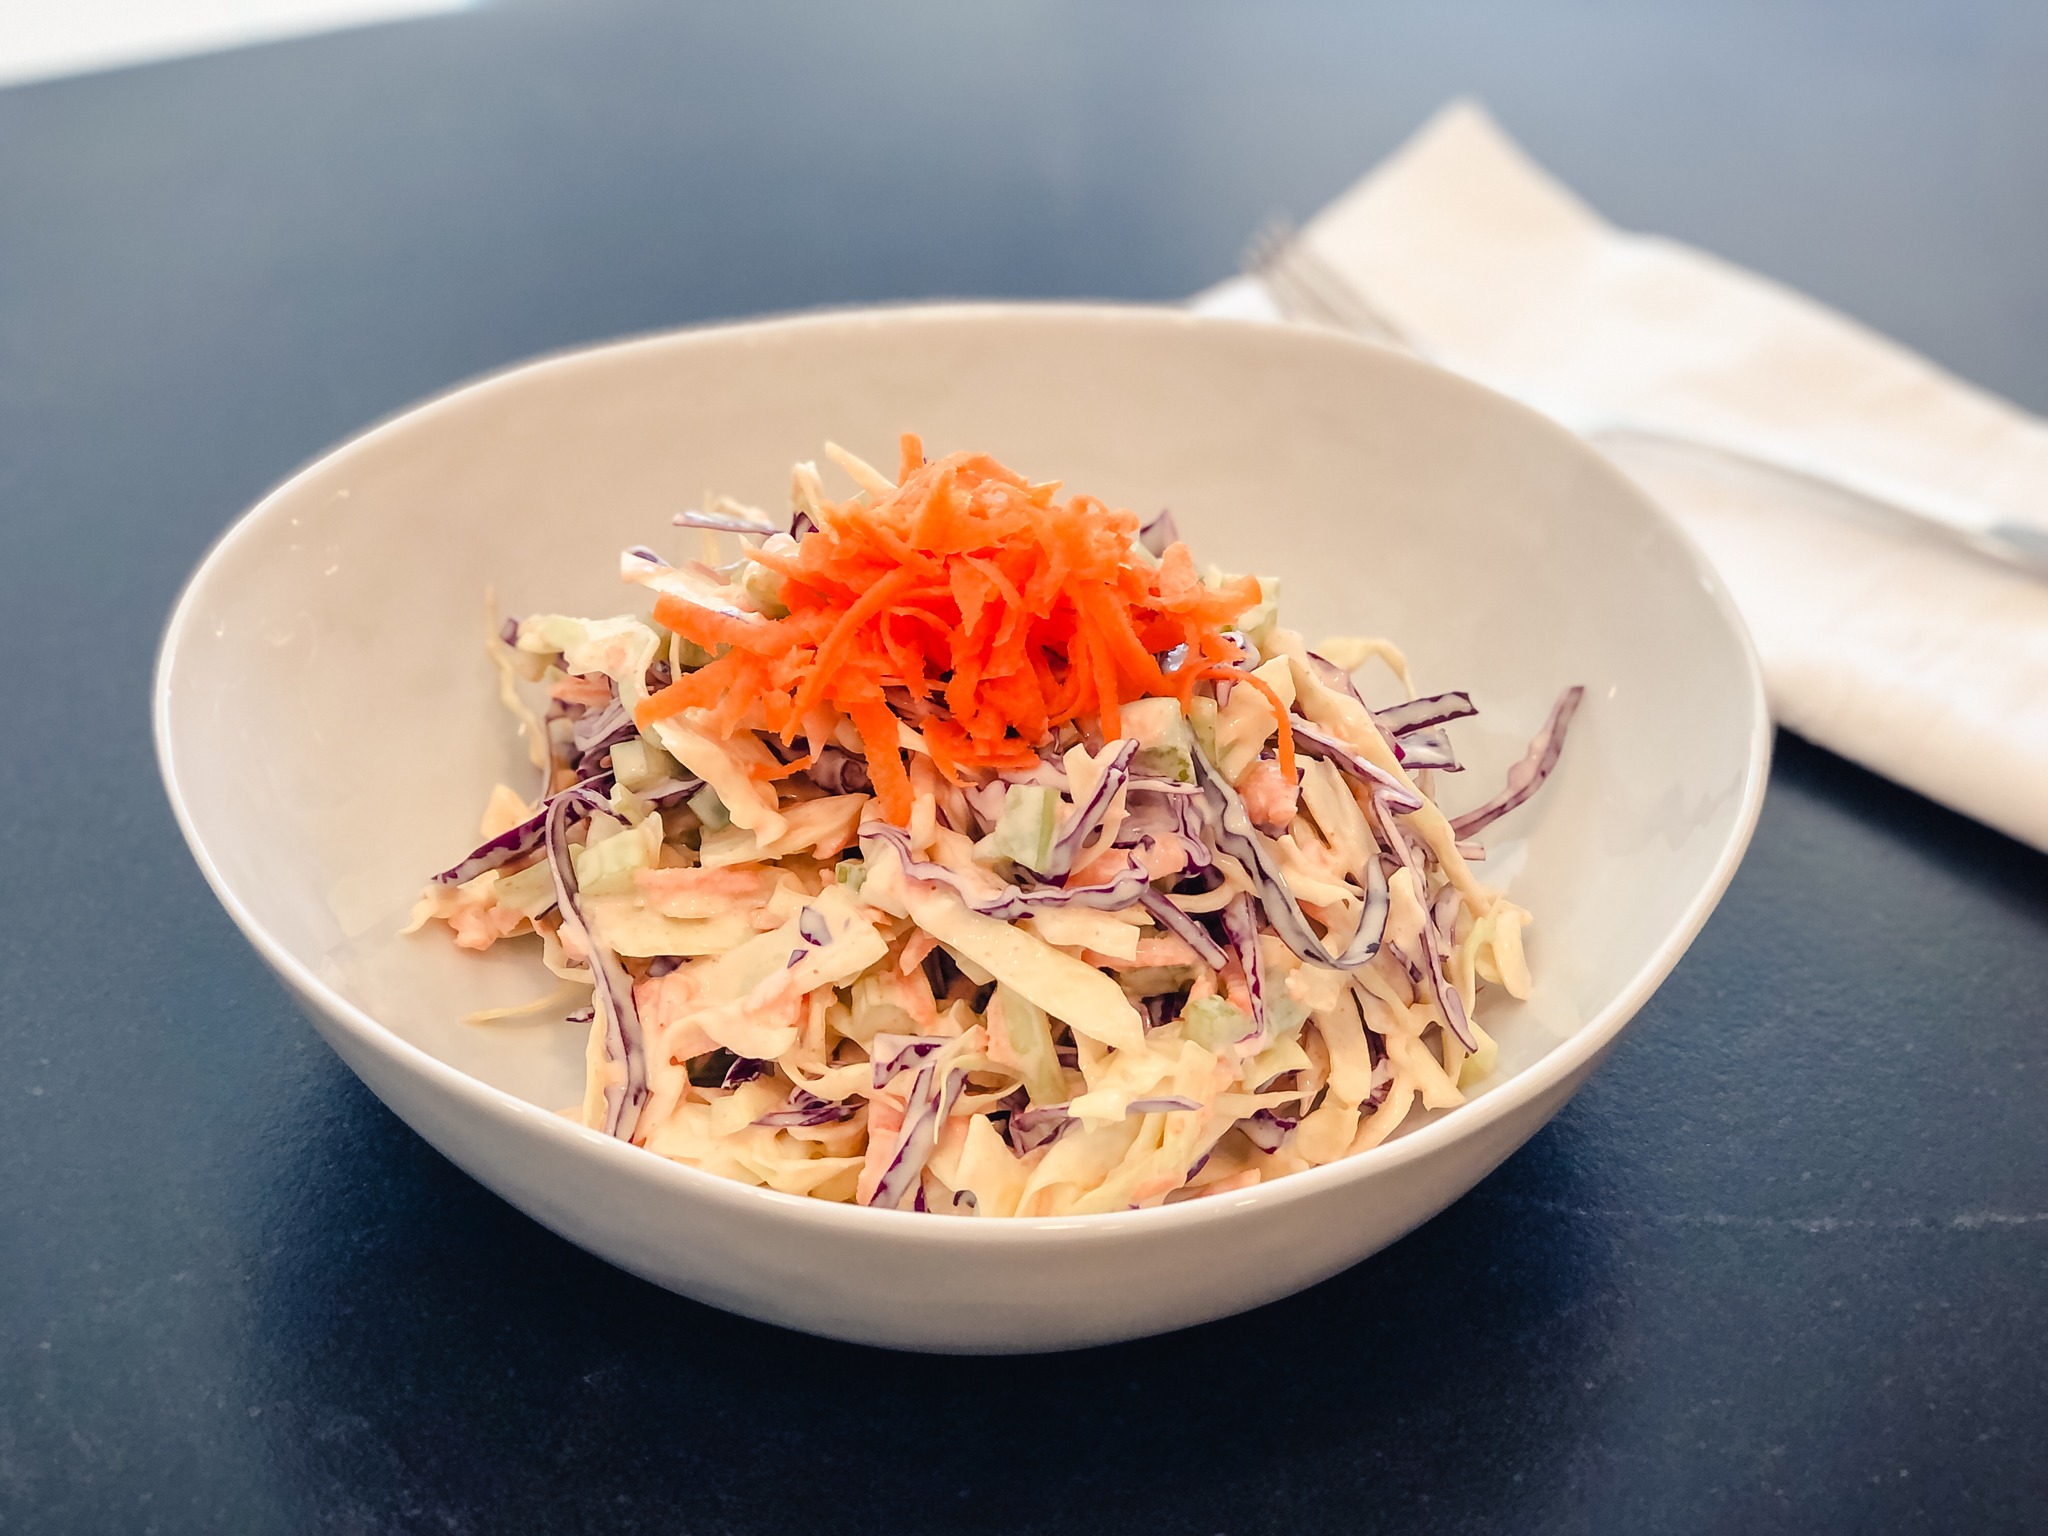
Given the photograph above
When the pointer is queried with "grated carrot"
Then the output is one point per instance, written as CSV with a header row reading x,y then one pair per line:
x,y
1007,611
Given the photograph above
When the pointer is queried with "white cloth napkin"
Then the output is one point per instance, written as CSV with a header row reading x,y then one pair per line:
x,y
1885,643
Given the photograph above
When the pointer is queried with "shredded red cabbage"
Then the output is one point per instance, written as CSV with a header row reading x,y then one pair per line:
x,y
1418,714
1126,890
805,1109
1527,776
1232,828
614,990
1159,533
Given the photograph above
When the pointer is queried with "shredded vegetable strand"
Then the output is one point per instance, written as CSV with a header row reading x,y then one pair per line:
x,y
951,853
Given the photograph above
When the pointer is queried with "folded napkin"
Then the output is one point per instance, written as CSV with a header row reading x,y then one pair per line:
x,y
1887,643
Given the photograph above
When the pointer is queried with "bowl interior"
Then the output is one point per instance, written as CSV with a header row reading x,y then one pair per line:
x,y
328,715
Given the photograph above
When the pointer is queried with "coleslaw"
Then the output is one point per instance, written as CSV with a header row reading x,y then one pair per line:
x,y
963,847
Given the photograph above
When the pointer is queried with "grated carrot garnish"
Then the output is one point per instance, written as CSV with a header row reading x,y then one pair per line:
x,y
1003,610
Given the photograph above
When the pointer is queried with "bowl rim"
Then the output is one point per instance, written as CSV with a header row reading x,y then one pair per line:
x,y
568,1138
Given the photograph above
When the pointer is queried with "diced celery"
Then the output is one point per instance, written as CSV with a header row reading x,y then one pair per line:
x,y
765,588
1024,831
852,874
1214,1022
710,809
1165,745
530,890
640,762
606,868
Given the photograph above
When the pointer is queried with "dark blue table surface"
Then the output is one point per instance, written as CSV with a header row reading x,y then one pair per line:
x,y
1782,1266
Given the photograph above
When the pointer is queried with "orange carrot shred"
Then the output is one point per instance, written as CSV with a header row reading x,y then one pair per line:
x,y
1015,611
1272,698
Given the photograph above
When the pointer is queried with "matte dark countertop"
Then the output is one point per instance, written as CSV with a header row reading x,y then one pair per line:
x,y
1782,1266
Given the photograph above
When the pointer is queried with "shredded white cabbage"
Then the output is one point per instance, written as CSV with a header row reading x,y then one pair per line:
x,y
806,997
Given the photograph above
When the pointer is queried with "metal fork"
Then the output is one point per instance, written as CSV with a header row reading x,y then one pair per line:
x,y
1307,289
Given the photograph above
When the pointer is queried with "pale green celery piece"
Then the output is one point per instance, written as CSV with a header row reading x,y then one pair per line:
x,y
873,1014
1024,832
851,873
606,868
531,890
629,807
1028,1034
1283,1052
641,762
765,588
1175,763
1284,1016
710,809
602,828
1165,745
1283,1055
1214,1023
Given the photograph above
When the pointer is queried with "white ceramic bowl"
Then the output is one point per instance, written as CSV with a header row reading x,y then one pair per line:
x,y
327,730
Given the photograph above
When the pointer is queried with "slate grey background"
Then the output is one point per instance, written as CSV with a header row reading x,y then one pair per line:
x,y
1782,1266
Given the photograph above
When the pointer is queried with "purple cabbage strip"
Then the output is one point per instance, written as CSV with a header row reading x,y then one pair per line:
x,y
1382,1083
1149,816
1446,997
1232,827
607,727
1314,741
1172,1104
1159,533
661,965
1192,831
893,1054
508,632
1527,776
1443,913
513,842
582,1015
1126,890
614,990
806,1108
1241,931
1266,1130
1037,1127
931,1100
840,773
1333,676
1397,840
800,525
1427,747
1417,714
745,1069
1089,813
1182,925
722,522
811,924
